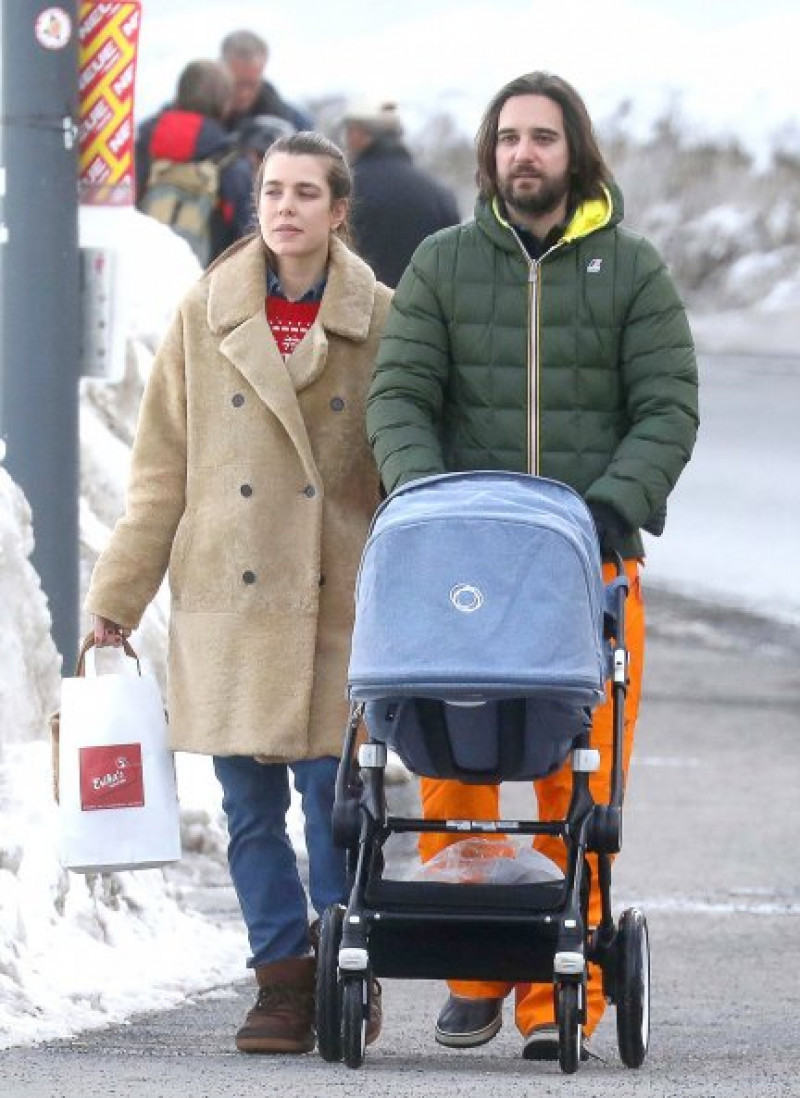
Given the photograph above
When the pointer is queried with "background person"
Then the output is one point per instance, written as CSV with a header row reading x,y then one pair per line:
x,y
190,130
545,338
252,485
245,55
396,204
257,134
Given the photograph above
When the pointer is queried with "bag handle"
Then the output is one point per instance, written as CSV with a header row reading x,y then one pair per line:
x,y
88,642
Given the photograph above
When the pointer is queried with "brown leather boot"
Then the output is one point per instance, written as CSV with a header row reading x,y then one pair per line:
x,y
282,1019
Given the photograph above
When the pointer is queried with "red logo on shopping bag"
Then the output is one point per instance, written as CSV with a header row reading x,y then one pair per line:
x,y
111,777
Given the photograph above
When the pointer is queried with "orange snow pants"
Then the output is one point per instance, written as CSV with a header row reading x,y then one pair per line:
x,y
447,800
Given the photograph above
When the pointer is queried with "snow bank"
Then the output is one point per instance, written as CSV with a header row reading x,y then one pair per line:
x,y
29,662
77,951
80,952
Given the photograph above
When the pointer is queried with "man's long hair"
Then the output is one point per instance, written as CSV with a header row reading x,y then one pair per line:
x,y
588,169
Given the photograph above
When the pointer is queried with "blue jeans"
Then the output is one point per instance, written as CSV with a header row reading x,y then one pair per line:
x,y
262,861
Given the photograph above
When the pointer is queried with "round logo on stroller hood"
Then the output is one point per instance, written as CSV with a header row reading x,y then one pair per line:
x,y
466,598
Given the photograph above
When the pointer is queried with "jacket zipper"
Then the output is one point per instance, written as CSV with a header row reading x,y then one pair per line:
x,y
534,286
533,367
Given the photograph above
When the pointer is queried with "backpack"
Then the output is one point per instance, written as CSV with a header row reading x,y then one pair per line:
x,y
185,196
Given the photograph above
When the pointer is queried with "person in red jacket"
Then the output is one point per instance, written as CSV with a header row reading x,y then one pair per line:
x,y
193,129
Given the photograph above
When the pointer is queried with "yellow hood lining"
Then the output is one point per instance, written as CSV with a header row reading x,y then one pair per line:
x,y
589,216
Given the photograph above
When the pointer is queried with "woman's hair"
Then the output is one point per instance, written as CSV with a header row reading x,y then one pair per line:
x,y
204,87
338,175
588,169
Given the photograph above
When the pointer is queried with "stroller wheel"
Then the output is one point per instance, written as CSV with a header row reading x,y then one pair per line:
x,y
355,1007
570,1030
329,990
633,987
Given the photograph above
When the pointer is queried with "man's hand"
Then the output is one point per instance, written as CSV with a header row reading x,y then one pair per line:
x,y
612,529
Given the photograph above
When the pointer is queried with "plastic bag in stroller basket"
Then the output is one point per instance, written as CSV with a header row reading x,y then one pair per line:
x,y
500,861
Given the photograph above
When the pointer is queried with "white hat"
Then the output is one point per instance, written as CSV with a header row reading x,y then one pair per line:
x,y
375,113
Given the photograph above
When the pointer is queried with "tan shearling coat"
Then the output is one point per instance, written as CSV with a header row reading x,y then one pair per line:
x,y
253,484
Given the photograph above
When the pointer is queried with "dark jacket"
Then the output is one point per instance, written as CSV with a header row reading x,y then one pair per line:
x,y
579,367
182,136
269,101
395,206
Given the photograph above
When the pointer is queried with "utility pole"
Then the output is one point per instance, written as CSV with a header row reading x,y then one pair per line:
x,y
40,306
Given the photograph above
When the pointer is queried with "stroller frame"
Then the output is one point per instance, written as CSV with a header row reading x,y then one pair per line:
x,y
534,932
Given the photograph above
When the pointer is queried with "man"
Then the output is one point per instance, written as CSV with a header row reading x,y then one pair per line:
x,y
245,55
541,337
396,205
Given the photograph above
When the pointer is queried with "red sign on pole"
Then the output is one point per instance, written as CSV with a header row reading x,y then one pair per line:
x,y
109,33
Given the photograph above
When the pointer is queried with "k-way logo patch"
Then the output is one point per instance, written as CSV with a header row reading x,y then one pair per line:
x,y
111,777
594,266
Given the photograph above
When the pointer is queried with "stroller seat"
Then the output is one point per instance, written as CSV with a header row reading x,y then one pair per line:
x,y
486,742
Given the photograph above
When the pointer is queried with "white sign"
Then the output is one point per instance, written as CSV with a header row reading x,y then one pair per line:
x,y
53,28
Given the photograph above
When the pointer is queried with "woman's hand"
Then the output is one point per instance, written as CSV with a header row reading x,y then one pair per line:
x,y
108,632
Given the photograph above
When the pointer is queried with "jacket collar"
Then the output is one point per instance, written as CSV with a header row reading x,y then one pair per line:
x,y
589,217
386,146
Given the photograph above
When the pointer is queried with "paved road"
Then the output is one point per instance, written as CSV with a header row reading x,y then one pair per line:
x,y
734,517
710,852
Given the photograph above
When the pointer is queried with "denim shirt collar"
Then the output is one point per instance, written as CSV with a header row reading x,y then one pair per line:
x,y
310,297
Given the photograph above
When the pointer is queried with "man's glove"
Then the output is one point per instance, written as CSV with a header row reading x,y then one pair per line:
x,y
657,521
612,529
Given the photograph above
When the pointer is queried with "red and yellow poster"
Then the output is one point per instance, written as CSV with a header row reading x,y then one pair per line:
x,y
109,34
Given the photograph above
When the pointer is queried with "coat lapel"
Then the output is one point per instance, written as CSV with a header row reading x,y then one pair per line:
x,y
251,349
307,361
236,312
237,290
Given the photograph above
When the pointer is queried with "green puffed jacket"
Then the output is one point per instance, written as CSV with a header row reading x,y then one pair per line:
x,y
579,366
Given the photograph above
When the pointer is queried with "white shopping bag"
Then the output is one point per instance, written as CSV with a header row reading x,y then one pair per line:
x,y
118,803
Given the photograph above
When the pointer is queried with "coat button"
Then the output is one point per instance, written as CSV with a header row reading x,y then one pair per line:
x,y
309,491
246,490
337,404
249,577
237,400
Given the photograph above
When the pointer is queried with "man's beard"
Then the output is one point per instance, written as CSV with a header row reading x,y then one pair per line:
x,y
550,194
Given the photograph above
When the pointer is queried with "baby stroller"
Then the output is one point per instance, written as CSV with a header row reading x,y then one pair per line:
x,y
484,636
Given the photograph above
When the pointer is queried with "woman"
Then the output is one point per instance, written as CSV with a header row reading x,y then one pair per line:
x,y
253,485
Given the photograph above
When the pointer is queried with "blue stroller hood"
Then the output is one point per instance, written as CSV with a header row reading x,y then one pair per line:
x,y
480,586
